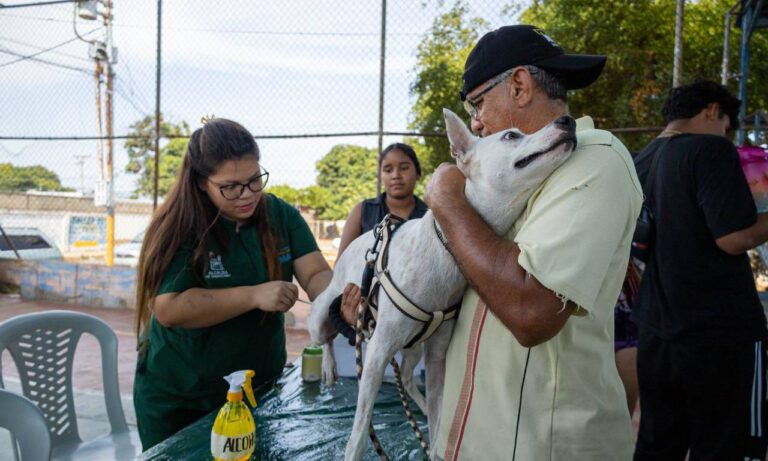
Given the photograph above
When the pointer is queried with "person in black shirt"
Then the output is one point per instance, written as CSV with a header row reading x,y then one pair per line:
x,y
701,355
399,170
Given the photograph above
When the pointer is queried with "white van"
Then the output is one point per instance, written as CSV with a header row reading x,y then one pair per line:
x,y
29,242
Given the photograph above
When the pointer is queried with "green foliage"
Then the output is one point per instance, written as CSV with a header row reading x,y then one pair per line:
x,y
314,197
441,56
23,178
285,192
345,176
638,38
141,155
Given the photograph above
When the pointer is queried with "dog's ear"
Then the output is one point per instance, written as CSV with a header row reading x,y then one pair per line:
x,y
460,137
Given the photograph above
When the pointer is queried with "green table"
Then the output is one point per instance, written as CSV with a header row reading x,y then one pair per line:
x,y
300,421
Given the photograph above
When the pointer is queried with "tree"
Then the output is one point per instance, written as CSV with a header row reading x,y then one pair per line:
x,y
23,178
345,176
285,192
441,56
141,155
638,38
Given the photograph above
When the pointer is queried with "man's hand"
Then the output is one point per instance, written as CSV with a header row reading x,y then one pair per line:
x,y
349,302
445,186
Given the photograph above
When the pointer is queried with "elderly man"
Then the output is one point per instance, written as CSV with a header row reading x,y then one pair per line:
x,y
530,372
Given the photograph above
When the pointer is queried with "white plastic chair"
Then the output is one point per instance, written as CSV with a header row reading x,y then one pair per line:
x,y
26,423
42,346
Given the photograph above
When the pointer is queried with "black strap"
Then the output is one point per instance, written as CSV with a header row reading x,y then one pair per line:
x,y
338,322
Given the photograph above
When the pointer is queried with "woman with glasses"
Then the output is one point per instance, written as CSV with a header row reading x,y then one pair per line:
x,y
214,279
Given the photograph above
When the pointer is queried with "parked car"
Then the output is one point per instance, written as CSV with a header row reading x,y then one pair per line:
x,y
29,242
128,253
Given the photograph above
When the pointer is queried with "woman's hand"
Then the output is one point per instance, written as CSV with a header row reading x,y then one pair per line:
x,y
277,296
349,302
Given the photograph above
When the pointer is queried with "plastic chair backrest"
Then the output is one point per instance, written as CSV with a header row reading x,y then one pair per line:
x,y
27,425
42,346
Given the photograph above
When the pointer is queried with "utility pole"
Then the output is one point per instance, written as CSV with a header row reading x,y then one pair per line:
x,y
382,81
110,133
677,70
104,54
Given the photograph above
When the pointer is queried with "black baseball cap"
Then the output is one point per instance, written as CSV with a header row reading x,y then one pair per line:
x,y
520,45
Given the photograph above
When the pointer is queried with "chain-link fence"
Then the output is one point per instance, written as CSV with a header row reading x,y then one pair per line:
x,y
302,75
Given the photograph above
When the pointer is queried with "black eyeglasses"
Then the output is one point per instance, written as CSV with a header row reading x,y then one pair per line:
x,y
471,105
235,191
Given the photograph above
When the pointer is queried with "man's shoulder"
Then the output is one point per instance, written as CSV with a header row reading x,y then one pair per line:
x,y
602,151
592,138
705,144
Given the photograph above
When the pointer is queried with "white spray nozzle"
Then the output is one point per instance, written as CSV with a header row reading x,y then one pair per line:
x,y
241,380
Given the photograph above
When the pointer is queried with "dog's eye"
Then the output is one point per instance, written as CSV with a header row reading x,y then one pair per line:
x,y
510,135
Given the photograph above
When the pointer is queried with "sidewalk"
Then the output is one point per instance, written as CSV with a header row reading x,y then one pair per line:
x,y
87,380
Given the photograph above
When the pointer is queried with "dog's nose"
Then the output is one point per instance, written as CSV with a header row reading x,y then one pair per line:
x,y
566,122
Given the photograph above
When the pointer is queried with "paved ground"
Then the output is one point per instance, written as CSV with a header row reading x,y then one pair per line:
x,y
89,399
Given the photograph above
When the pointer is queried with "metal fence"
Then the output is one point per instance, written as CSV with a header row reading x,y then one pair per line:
x,y
302,75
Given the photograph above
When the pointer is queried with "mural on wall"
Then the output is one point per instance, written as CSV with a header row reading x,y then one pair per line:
x,y
87,232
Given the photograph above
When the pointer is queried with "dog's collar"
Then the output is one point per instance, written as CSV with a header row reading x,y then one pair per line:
x,y
440,236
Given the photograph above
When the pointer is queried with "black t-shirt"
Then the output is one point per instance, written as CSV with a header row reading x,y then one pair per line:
x,y
690,287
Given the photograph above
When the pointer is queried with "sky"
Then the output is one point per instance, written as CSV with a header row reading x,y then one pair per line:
x,y
277,67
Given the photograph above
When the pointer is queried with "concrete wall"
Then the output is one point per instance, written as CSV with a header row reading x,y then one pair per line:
x,y
85,284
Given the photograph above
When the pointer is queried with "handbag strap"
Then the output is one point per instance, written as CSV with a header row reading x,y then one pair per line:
x,y
648,186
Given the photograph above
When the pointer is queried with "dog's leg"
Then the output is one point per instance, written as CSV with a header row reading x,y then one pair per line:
x,y
329,364
435,350
320,327
411,358
379,352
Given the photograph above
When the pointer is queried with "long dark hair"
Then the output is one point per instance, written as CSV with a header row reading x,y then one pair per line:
x,y
187,214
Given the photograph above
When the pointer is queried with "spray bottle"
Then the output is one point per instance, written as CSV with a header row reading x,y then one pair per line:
x,y
233,437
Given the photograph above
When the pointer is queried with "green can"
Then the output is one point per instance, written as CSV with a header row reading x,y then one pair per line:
x,y
312,364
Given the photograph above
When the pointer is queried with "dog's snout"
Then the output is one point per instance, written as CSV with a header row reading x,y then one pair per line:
x,y
566,122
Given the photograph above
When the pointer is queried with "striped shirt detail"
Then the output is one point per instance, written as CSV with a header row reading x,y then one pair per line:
x,y
461,414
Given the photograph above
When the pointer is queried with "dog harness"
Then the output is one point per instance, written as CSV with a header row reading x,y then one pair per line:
x,y
382,279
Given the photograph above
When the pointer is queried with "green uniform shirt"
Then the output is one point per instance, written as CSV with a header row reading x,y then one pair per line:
x,y
181,378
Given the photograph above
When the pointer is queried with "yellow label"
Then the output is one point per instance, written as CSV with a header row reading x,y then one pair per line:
x,y
233,437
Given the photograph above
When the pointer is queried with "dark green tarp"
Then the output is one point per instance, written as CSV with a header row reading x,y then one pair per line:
x,y
297,421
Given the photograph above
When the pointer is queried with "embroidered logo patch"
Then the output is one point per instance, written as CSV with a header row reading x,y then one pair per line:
x,y
547,38
216,268
284,255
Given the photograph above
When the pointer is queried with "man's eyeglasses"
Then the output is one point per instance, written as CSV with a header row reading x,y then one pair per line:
x,y
471,105
235,191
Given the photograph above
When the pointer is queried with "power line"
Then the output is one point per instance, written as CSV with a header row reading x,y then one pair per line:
x,y
44,61
130,101
133,88
30,45
33,55
24,5
235,31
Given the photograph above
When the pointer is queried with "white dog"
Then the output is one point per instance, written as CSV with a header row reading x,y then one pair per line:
x,y
502,170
